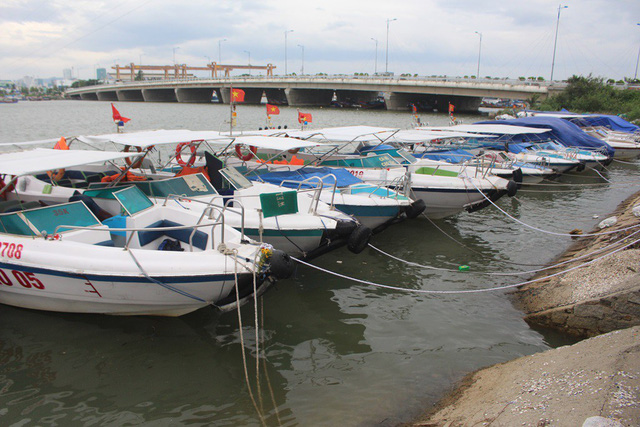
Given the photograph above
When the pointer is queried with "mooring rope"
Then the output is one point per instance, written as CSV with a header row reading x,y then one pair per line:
x,y
244,356
465,291
520,273
552,232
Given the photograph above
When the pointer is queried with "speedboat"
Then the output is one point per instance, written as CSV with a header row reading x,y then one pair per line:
x,y
113,251
443,192
300,224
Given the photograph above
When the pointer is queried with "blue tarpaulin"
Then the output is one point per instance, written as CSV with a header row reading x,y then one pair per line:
x,y
566,133
451,156
608,121
343,177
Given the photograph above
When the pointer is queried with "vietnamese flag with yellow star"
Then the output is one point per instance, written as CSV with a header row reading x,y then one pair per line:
x,y
237,95
272,110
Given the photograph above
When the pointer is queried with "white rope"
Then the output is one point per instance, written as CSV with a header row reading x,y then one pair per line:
x,y
467,291
520,273
244,356
551,232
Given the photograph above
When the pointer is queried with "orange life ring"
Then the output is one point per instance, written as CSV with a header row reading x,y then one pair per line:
x,y
55,176
133,165
9,188
248,155
179,149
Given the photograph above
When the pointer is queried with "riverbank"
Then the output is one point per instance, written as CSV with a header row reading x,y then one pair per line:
x,y
599,376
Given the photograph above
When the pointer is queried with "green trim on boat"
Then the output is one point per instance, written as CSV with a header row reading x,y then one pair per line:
x,y
426,170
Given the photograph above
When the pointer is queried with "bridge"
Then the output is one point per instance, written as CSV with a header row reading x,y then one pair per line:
x,y
301,91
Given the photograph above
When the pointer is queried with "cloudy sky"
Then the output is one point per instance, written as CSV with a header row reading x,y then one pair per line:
x,y
40,38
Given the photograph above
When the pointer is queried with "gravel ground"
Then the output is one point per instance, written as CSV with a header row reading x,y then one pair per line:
x,y
560,387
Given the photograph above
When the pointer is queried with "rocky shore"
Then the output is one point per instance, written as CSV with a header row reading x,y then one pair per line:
x,y
595,382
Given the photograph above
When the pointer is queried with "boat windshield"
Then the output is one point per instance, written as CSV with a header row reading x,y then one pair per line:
x,y
187,185
235,178
47,220
133,200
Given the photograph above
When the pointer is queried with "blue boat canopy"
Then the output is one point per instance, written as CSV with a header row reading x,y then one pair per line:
x,y
328,175
608,121
566,133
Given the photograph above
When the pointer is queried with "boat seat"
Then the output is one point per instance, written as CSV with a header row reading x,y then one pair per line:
x,y
199,238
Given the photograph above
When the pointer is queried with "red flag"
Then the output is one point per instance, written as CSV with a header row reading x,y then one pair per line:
x,y
61,144
237,95
304,117
273,110
116,115
414,109
451,108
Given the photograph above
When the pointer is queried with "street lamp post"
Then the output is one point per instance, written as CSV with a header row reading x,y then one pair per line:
x,y
249,63
302,69
174,54
375,67
386,66
285,50
479,52
553,61
635,77
220,50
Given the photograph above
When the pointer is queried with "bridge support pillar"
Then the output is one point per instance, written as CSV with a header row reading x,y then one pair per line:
x,y
108,96
397,101
130,95
251,96
201,95
309,97
159,95
89,96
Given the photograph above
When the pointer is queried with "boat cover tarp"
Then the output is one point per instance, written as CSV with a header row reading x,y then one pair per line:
x,y
451,156
606,120
566,133
611,122
328,175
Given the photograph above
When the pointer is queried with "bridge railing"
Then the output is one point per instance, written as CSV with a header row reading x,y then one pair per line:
x,y
341,78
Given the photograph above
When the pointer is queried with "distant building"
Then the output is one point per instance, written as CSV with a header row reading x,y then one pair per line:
x,y
101,74
66,74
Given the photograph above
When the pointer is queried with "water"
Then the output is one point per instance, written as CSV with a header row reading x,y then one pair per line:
x,y
335,352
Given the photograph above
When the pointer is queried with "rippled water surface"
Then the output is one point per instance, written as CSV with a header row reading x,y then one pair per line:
x,y
334,352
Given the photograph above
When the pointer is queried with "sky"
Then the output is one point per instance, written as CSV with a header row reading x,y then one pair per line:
x,y
40,38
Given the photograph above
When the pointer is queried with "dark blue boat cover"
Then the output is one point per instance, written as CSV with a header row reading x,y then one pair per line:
x,y
608,121
343,177
566,133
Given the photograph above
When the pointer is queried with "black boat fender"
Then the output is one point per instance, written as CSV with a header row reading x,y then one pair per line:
x,y
512,188
517,176
581,166
280,264
359,239
415,209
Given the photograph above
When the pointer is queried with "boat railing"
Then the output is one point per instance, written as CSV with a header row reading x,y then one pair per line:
x,y
211,207
317,190
136,230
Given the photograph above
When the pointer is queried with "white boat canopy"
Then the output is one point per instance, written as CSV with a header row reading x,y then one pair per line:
x,y
166,137
422,135
489,128
337,134
45,159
